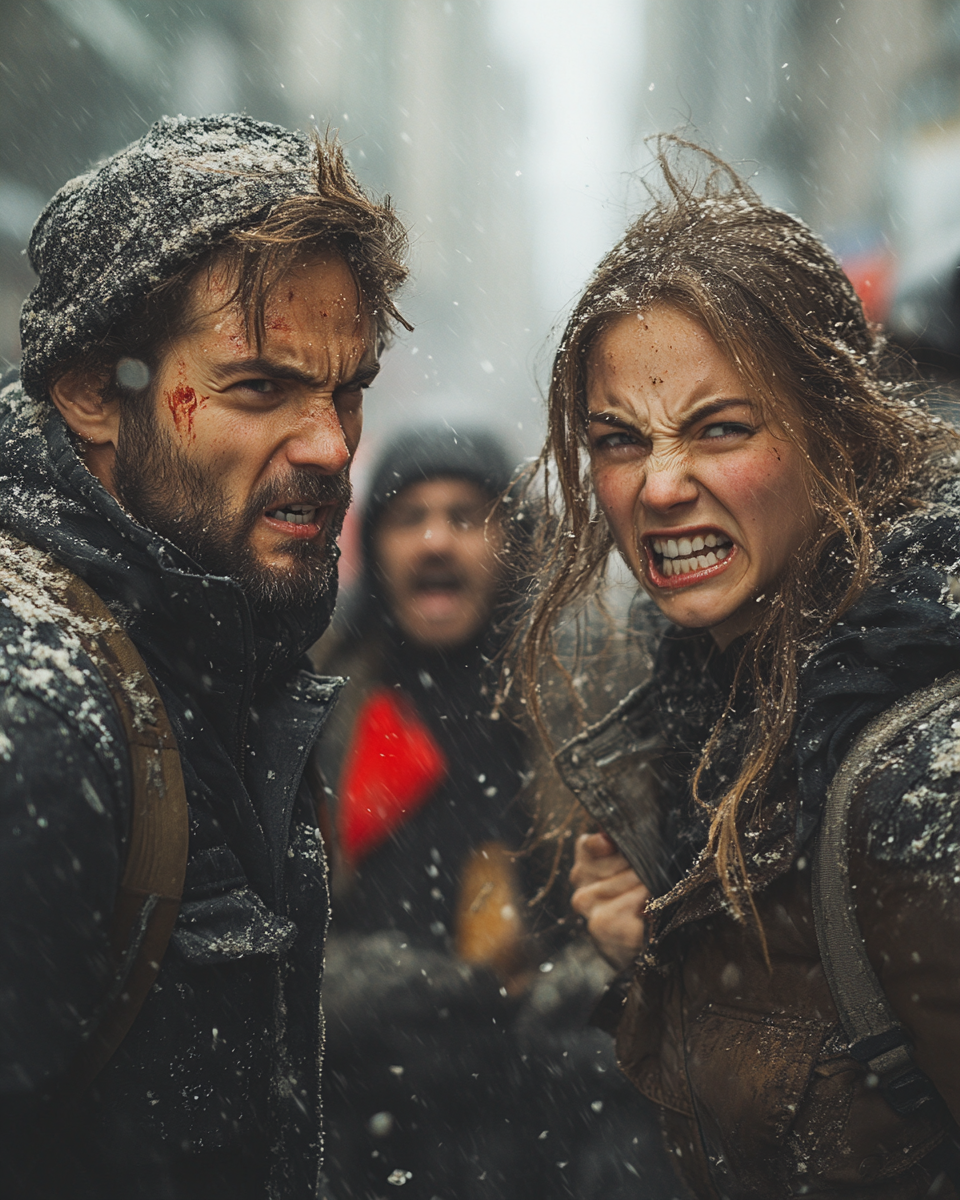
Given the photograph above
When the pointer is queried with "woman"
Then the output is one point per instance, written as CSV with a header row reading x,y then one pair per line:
x,y
721,413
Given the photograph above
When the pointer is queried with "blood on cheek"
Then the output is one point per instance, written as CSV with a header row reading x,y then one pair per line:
x,y
183,403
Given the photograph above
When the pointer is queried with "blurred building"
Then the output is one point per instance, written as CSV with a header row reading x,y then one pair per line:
x,y
82,78
429,113
849,111
433,116
506,130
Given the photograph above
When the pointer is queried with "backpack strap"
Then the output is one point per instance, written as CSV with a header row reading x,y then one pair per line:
x,y
876,1037
41,591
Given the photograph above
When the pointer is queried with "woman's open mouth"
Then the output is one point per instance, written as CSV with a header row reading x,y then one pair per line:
x,y
688,558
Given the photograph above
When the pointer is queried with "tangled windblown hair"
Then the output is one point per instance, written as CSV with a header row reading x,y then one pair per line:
x,y
338,217
778,304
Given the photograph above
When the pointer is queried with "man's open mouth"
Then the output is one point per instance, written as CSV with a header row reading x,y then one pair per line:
x,y
690,554
295,514
428,584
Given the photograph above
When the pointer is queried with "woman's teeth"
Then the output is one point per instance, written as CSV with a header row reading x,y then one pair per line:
x,y
296,514
683,555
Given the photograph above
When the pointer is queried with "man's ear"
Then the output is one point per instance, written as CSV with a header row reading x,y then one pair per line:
x,y
78,395
96,422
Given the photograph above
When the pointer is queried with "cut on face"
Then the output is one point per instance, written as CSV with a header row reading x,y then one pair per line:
x,y
706,498
251,478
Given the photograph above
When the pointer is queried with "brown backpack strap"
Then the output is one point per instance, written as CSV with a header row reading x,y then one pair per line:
x,y
876,1037
41,591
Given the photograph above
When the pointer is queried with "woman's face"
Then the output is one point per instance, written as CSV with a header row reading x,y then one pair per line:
x,y
707,503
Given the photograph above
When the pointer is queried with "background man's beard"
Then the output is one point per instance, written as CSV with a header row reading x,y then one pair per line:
x,y
168,492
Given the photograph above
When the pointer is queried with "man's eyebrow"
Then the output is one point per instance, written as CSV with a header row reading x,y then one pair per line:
x,y
267,369
363,375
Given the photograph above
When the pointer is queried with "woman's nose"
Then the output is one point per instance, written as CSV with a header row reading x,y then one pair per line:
x,y
667,484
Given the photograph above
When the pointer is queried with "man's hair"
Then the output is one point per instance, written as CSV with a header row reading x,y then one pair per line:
x,y
338,218
779,306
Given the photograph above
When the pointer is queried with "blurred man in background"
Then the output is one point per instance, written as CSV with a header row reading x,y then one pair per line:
x,y
457,1062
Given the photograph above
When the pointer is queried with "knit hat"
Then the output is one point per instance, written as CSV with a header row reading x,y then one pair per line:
x,y
108,236
432,452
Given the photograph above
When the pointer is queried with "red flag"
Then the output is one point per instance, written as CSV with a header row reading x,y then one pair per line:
x,y
392,765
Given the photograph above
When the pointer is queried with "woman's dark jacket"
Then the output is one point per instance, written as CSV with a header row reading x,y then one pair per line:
x,y
757,1092
214,1091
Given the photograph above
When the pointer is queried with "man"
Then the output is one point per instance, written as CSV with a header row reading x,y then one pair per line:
x,y
424,1067
417,650
449,1052
211,304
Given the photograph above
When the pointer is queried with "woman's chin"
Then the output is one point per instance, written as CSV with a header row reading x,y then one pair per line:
x,y
692,612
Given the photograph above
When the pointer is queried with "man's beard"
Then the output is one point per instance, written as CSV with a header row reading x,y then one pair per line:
x,y
170,493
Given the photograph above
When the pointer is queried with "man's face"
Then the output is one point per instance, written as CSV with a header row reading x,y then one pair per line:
x,y
437,560
242,459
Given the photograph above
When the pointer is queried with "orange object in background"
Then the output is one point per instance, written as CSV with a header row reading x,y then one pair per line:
x,y
489,925
872,273
391,767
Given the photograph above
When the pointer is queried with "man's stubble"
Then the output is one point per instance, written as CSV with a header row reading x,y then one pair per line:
x,y
168,491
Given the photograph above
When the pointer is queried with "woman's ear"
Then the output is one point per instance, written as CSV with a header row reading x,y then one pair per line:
x,y
78,395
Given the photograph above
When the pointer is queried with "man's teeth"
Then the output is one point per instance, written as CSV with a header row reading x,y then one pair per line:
x,y
683,555
296,514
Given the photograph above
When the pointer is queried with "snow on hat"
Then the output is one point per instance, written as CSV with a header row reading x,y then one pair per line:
x,y
435,451
110,235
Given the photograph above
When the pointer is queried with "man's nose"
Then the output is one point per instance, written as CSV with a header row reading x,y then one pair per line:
x,y
667,483
319,441
438,535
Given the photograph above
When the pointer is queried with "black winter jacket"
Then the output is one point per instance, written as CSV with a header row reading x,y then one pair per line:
x,y
214,1092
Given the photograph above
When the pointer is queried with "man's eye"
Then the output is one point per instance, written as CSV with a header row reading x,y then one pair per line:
x,y
263,387
352,389
406,520
726,429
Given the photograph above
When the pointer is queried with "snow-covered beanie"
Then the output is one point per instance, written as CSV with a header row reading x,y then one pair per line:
x,y
110,235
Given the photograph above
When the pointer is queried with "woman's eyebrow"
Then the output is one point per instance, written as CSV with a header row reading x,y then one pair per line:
x,y
710,409
702,411
609,418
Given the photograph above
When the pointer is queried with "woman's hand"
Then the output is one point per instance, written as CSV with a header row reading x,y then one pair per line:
x,y
610,896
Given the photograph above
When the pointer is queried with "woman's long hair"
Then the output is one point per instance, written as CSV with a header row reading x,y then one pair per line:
x,y
778,304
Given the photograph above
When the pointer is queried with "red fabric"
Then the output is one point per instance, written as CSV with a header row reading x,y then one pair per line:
x,y
391,766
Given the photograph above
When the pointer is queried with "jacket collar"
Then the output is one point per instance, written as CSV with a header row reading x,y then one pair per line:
x,y
199,629
903,634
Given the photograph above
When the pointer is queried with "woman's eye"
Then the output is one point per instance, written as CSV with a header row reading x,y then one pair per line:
x,y
726,429
613,441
